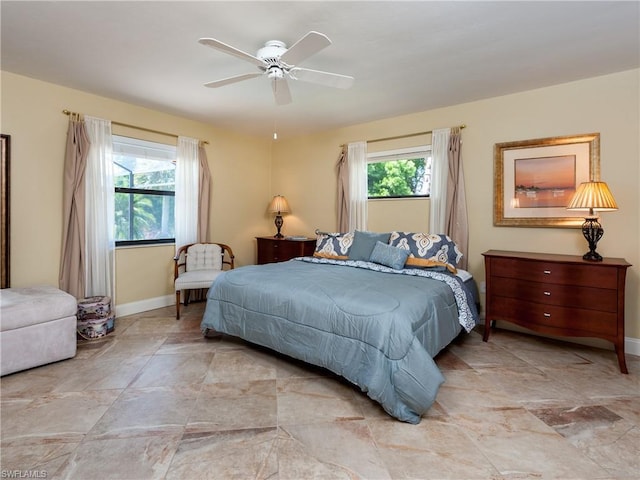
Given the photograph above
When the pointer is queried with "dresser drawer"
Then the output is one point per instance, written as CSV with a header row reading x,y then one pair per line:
x,y
590,298
598,276
272,250
568,321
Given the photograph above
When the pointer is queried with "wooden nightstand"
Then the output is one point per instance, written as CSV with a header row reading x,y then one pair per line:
x,y
271,249
560,295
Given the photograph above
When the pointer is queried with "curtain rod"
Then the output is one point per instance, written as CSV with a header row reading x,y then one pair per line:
x,y
67,112
408,135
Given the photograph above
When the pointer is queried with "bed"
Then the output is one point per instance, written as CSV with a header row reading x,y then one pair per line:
x,y
376,325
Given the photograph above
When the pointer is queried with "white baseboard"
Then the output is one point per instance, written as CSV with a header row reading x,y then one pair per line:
x,y
632,345
145,305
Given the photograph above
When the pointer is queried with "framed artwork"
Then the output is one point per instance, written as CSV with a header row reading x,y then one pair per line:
x,y
534,180
4,206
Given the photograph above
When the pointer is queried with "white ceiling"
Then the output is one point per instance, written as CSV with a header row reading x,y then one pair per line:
x,y
405,56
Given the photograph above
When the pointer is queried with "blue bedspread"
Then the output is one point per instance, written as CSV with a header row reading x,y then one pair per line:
x,y
379,328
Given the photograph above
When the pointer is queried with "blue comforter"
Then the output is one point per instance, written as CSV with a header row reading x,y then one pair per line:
x,y
377,327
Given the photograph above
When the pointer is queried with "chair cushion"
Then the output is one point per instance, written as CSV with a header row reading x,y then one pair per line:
x,y
196,279
201,256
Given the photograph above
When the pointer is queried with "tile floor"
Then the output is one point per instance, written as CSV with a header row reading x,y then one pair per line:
x,y
155,400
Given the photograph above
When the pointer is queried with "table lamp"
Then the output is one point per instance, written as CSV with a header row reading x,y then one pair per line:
x,y
279,205
592,196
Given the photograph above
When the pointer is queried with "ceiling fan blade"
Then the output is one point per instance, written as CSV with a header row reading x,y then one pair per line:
x,y
322,78
281,91
227,81
223,47
311,43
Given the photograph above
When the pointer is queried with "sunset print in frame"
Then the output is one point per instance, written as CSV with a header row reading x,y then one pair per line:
x,y
534,180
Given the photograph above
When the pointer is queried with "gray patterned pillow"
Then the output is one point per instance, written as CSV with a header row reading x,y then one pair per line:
x,y
427,249
333,245
392,257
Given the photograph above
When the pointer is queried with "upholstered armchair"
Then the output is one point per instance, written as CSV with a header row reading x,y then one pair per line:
x,y
196,267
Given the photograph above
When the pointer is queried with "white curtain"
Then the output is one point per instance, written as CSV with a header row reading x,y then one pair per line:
x,y
100,239
439,179
357,162
187,181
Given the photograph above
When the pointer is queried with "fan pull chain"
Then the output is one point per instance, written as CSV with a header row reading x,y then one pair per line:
x,y
275,121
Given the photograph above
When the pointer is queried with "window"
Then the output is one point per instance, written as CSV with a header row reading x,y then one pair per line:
x,y
401,173
144,177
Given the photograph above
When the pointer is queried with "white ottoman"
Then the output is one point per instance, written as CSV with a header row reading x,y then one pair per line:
x,y
37,326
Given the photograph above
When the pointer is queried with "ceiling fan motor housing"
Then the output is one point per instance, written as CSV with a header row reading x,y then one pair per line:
x,y
272,51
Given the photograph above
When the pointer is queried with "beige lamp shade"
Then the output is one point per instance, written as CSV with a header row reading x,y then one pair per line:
x,y
592,196
279,205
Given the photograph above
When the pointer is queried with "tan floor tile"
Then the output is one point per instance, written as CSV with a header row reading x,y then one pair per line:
x,y
520,445
336,450
303,400
62,416
424,450
134,458
233,406
146,411
241,454
529,385
599,380
44,460
465,390
176,369
241,365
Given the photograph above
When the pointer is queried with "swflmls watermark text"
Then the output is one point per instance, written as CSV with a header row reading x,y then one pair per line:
x,y
23,474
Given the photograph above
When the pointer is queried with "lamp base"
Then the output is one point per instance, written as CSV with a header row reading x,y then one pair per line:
x,y
592,256
592,231
279,222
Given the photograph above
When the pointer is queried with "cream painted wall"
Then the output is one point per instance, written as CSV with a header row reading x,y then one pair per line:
x,y
32,115
304,168
398,214
247,171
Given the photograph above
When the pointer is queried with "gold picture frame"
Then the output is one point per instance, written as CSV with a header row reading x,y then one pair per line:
x,y
5,143
535,179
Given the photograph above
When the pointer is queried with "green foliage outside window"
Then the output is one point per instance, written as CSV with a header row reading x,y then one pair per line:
x,y
144,203
397,178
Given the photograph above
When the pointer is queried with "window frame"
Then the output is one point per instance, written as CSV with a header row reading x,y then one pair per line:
x,y
143,191
408,153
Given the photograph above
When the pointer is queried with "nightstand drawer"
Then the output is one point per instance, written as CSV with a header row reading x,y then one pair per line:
x,y
590,298
556,273
271,249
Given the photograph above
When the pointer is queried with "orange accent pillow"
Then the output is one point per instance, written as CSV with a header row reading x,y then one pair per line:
x,y
427,262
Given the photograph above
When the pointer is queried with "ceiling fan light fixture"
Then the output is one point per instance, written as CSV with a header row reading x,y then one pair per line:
x,y
275,72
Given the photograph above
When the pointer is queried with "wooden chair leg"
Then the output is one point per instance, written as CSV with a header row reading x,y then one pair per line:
x,y
177,304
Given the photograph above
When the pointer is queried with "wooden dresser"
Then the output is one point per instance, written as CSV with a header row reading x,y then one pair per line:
x,y
271,249
560,295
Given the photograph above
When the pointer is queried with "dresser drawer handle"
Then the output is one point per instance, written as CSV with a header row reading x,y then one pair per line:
x,y
547,315
547,272
548,294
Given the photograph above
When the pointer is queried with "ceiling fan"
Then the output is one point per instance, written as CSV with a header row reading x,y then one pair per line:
x,y
278,63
